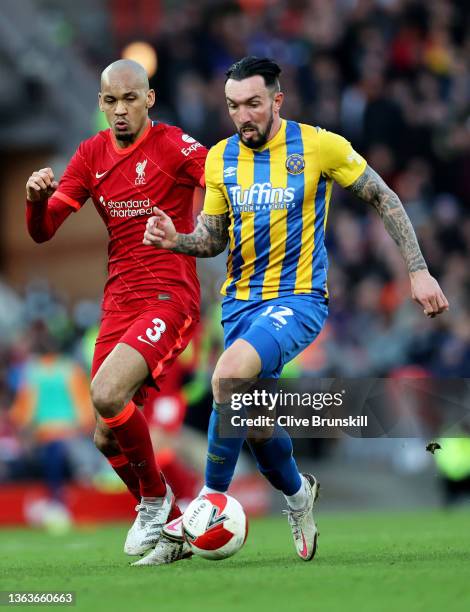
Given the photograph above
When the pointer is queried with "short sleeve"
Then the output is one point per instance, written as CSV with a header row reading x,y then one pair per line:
x,y
73,186
189,156
338,159
215,202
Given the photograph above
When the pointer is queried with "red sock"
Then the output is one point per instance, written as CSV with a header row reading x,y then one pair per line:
x,y
181,479
175,512
132,433
122,467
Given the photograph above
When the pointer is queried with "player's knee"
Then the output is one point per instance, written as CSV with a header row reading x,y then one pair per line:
x,y
106,443
106,398
228,368
236,370
223,381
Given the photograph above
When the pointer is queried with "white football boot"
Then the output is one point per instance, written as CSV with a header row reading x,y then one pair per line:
x,y
148,525
304,530
170,547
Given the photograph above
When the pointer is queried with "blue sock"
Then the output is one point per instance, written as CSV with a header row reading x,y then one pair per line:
x,y
222,454
276,462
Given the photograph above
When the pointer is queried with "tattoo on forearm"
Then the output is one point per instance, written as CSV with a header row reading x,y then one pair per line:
x,y
371,188
208,239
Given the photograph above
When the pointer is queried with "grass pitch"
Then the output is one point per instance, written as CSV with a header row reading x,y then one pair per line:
x,y
365,562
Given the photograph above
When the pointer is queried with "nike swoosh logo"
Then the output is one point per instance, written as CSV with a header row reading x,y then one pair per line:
x,y
146,341
174,525
100,174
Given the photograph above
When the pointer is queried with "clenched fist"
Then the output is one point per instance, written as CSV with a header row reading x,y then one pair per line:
x,y
426,292
41,185
160,231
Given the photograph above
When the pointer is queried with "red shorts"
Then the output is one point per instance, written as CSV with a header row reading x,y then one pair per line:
x,y
159,333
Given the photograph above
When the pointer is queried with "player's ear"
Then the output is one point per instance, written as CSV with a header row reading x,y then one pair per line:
x,y
278,100
150,98
100,103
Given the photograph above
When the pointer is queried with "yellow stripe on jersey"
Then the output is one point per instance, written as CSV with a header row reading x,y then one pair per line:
x,y
303,282
229,278
278,225
216,201
329,189
245,178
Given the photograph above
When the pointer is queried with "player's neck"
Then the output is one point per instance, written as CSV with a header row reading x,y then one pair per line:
x,y
276,126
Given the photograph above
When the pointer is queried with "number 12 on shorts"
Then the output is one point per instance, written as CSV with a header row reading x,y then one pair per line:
x,y
279,315
153,333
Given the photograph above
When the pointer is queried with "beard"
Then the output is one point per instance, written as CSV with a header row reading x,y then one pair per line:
x,y
124,137
259,139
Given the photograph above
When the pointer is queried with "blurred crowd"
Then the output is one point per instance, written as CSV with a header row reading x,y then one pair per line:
x,y
390,75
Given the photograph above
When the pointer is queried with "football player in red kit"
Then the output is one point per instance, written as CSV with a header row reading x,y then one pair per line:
x,y
151,298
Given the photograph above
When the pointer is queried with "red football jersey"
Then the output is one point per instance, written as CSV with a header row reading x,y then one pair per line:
x,y
161,168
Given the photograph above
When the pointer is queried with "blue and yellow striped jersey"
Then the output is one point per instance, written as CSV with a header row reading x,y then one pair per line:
x,y
277,198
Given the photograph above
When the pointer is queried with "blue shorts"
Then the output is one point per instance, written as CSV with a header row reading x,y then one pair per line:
x,y
278,329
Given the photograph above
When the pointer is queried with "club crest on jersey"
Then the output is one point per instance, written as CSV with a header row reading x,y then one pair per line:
x,y
140,172
295,164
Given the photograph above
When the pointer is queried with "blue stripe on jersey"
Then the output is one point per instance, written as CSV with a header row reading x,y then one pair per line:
x,y
262,174
320,259
294,144
231,152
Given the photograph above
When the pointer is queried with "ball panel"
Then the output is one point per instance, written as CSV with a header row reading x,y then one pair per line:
x,y
197,516
217,499
213,539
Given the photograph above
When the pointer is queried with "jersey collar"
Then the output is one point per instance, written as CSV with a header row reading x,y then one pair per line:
x,y
278,137
133,147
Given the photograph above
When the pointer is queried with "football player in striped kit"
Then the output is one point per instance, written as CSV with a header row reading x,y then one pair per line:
x,y
268,190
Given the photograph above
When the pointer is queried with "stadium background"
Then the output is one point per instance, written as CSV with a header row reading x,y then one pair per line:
x,y
390,75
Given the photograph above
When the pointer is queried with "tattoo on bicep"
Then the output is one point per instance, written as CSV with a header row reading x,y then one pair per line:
x,y
371,188
208,239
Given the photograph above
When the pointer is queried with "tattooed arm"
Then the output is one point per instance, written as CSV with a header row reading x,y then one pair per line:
x,y
208,239
371,188
425,290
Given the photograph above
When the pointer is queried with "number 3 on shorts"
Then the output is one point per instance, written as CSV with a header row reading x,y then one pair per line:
x,y
154,333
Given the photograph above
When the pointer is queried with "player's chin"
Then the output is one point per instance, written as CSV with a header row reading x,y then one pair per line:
x,y
123,135
251,143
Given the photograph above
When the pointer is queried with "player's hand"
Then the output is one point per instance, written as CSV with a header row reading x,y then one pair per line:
x,y
160,231
425,291
41,185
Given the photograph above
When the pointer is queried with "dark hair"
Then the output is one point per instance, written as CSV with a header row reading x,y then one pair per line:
x,y
251,66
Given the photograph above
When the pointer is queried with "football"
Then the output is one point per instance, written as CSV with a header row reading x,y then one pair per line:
x,y
215,526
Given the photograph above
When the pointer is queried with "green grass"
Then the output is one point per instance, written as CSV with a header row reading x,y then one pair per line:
x,y
366,562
